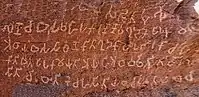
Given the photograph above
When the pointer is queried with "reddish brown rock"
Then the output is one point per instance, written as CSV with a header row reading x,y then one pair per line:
x,y
98,48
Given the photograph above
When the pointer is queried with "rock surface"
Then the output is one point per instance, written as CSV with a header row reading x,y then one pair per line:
x,y
99,48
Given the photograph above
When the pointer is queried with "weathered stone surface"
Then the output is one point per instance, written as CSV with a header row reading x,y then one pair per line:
x,y
98,48
38,90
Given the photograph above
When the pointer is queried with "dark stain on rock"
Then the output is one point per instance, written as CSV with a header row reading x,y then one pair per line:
x,y
167,92
25,90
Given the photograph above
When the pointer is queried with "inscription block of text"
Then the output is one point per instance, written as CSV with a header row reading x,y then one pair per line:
x,y
99,48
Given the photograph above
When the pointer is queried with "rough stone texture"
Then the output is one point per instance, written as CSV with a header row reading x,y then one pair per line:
x,y
99,48
37,91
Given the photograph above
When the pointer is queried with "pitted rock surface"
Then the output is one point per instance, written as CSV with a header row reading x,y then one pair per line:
x,y
99,48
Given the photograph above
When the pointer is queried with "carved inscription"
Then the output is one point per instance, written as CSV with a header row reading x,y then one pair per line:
x,y
102,45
